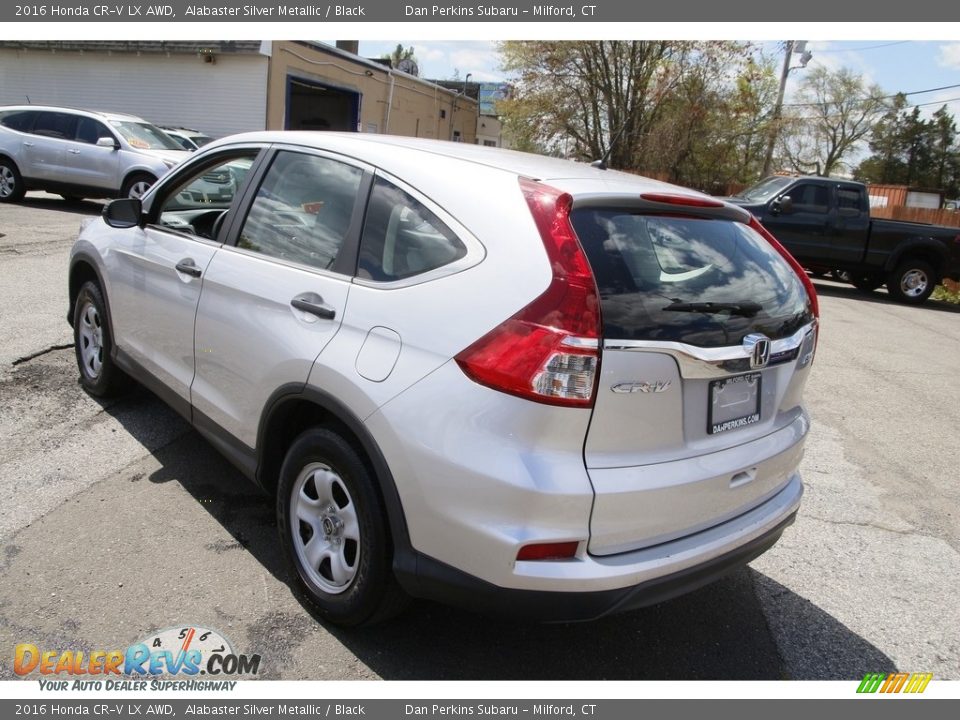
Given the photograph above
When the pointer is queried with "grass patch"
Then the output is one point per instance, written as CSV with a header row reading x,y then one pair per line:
x,y
944,294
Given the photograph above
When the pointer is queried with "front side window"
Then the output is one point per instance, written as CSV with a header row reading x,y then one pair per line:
x,y
402,237
198,203
90,130
303,209
810,198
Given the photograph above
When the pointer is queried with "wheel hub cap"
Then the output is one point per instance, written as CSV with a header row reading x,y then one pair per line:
x,y
325,528
914,283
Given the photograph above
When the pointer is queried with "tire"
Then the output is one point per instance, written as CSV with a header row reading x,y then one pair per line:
x,y
136,185
866,283
93,343
12,187
912,282
334,531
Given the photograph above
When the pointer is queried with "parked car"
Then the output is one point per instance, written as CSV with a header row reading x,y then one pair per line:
x,y
825,223
80,153
188,139
503,381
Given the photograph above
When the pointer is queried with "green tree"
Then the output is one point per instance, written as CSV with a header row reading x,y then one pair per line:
x,y
686,111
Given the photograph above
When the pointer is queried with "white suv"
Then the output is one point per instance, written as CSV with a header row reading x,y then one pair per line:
x,y
80,153
504,381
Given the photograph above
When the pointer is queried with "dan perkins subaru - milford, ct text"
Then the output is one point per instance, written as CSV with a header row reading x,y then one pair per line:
x,y
495,10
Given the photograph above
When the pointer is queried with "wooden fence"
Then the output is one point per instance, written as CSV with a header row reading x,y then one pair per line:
x,y
920,215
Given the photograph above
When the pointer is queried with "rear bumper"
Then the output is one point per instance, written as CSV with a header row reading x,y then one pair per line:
x,y
436,581
641,578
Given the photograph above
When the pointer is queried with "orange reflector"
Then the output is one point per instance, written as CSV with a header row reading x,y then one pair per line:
x,y
548,551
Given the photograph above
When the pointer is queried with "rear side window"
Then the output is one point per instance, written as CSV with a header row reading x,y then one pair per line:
x,y
55,125
651,270
849,202
302,210
20,120
403,238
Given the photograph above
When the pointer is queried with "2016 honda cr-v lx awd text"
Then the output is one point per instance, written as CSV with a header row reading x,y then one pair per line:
x,y
503,381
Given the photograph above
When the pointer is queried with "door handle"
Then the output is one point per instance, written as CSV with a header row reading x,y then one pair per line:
x,y
318,307
187,267
28,144
73,151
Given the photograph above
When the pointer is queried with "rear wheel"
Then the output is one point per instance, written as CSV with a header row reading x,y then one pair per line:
x,y
12,187
333,531
912,281
93,343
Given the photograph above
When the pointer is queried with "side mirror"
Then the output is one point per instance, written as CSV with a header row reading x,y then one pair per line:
x,y
783,204
123,213
107,142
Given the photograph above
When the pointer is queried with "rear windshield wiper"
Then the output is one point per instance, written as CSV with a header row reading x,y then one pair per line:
x,y
747,309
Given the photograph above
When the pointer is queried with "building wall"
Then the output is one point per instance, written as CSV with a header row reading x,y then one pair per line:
x,y
219,98
415,108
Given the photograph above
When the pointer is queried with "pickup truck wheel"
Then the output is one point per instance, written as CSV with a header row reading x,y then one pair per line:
x,y
912,282
333,531
866,283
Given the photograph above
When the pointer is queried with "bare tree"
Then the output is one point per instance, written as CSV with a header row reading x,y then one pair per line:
x,y
833,112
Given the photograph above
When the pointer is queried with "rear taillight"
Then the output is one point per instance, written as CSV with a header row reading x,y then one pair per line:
x,y
550,350
785,254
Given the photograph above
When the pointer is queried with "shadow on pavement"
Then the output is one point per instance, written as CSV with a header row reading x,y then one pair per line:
x,y
833,289
718,632
44,201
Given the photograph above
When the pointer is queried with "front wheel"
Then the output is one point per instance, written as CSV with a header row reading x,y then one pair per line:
x,y
93,343
333,530
137,185
912,282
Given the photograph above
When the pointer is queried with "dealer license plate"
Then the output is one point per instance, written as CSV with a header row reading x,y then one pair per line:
x,y
734,403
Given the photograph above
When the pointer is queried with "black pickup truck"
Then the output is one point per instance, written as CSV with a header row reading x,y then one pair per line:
x,y
826,224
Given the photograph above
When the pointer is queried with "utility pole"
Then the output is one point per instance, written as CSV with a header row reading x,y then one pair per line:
x,y
799,46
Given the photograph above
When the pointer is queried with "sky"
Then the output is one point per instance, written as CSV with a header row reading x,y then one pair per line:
x,y
895,65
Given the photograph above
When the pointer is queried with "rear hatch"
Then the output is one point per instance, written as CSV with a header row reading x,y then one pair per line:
x,y
708,334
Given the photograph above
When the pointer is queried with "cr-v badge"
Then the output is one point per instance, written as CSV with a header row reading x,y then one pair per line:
x,y
644,387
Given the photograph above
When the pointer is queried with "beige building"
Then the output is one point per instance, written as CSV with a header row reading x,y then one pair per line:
x,y
226,87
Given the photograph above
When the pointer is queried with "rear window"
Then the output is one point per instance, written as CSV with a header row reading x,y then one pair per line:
x,y
654,272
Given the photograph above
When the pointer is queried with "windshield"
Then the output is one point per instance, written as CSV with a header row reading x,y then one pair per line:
x,y
144,136
765,189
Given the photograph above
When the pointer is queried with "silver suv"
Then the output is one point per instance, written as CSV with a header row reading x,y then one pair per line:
x,y
79,153
504,381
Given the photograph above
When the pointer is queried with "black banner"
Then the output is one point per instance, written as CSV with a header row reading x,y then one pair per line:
x,y
525,11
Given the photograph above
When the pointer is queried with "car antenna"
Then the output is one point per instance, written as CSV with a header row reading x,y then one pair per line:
x,y
601,164
29,102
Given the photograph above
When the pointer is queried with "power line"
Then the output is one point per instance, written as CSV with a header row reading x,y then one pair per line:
x,y
883,97
859,49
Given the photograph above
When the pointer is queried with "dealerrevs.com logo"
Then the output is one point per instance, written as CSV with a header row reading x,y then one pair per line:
x,y
180,652
887,683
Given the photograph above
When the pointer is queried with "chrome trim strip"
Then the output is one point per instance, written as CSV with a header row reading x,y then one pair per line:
x,y
699,362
